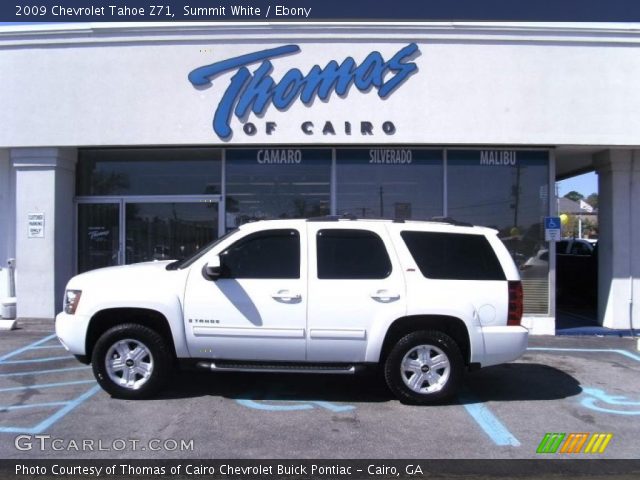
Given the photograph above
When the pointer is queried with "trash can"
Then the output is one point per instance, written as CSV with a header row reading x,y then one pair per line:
x,y
8,308
8,297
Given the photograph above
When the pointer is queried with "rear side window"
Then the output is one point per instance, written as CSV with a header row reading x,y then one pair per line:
x,y
351,254
453,256
268,254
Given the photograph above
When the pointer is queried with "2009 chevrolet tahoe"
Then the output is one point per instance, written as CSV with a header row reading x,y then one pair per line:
x,y
424,300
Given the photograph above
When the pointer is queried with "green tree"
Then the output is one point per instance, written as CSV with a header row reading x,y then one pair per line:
x,y
592,200
575,196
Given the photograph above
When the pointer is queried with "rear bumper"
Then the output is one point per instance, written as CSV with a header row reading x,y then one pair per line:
x,y
503,344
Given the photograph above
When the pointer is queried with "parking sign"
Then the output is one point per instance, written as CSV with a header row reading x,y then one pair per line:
x,y
552,227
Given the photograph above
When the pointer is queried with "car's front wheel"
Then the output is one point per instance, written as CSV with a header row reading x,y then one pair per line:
x,y
131,361
424,367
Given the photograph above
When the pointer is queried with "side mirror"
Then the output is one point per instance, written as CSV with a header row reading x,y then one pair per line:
x,y
213,269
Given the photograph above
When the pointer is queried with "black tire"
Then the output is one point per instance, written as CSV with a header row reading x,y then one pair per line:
x,y
445,381
154,358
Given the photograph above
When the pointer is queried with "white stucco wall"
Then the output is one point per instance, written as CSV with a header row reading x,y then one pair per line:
x,y
44,185
491,85
618,246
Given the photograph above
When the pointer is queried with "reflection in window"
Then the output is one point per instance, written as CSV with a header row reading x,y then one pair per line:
x,y
276,183
170,171
506,190
164,231
267,254
390,183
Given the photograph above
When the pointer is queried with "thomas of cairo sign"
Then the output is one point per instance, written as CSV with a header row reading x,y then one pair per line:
x,y
253,92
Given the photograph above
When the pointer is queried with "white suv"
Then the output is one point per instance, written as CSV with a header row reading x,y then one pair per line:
x,y
424,300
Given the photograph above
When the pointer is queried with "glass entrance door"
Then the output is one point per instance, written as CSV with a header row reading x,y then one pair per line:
x,y
98,235
137,229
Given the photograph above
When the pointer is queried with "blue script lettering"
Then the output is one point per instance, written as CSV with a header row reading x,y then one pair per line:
x,y
255,91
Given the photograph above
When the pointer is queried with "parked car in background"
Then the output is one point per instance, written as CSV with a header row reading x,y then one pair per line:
x,y
575,246
536,266
576,271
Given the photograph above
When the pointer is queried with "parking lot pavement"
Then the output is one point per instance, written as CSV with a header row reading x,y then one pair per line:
x,y
50,407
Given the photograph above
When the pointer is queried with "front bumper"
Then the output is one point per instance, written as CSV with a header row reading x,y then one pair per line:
x,y
72,332
503,344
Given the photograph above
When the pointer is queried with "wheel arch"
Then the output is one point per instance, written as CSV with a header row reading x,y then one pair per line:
x,y
110,317
452,326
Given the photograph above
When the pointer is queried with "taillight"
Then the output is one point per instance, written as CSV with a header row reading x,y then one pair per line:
x,y
516,302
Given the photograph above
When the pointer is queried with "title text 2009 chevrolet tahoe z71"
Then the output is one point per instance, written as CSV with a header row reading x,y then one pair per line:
x,y
424,300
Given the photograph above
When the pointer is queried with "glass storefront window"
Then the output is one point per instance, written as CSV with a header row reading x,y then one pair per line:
x,y
397,183
171,171
507,190
276,183
500,188
163,231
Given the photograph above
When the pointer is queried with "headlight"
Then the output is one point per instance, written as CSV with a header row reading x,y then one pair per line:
x,y
71,300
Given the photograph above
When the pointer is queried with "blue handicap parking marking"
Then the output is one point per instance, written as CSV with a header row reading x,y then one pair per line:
x,y
594,399
60,408
35,360
488,422
624,353
599,400
26,348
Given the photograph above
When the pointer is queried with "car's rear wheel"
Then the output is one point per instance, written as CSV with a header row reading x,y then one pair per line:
x,y
131,361
424,367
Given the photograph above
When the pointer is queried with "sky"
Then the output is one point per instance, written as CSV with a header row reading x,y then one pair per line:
x,y
585,184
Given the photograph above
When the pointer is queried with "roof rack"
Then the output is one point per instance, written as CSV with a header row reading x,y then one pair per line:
x,y
450,221
333,218
349,216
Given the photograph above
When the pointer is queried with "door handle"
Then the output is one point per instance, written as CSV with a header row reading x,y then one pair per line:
x,y
286,296
385,296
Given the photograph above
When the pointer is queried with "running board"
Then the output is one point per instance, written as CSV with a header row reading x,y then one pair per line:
x,y
228,366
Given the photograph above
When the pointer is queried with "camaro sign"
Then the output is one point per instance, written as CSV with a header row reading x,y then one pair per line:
x,y
252,89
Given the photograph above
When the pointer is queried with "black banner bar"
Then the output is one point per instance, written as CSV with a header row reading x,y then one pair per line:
x,y
318,10
116,469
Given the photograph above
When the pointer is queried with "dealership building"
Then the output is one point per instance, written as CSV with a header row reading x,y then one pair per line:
x,y
122,143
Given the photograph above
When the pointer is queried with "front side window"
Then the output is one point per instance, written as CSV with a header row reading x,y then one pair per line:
x,y
268,254
453,256
351,254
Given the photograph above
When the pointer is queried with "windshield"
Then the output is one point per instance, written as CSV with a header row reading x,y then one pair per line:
x,y
185,262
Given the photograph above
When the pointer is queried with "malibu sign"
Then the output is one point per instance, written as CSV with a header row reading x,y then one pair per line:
x,y
255,91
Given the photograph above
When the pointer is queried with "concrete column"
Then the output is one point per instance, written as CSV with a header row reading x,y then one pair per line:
x,y
45,184
619,238
7,209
